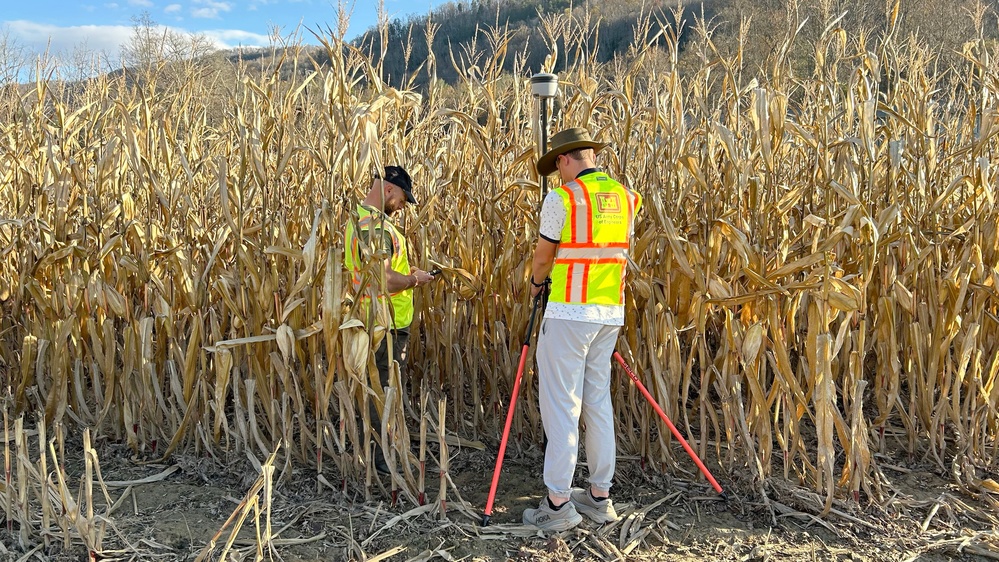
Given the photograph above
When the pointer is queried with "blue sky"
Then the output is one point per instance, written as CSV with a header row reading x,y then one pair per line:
x,y
101,26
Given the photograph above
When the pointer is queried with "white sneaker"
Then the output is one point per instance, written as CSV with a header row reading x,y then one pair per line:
x,y
599,511
548,519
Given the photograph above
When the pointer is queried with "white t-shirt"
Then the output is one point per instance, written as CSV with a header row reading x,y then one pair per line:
x,y
550,228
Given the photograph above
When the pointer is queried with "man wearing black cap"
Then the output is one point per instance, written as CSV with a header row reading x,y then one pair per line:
x,y
375,233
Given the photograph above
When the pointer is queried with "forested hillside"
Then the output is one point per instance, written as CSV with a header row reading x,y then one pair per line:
x,y
514,31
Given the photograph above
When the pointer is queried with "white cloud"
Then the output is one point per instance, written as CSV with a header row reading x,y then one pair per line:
x,y
172,9
108,39
111,6
229,38
143,3
40,37
210,8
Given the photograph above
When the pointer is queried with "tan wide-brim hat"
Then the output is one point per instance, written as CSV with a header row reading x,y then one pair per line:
x,y
566,141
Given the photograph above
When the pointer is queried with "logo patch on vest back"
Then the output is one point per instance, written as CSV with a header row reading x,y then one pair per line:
x,y
608,203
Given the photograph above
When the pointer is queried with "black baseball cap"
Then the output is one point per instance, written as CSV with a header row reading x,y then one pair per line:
x,y
398,176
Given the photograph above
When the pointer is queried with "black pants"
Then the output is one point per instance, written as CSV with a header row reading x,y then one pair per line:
x,y
400,343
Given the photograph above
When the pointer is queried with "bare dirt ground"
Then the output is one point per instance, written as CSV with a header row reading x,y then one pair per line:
x,y
666,516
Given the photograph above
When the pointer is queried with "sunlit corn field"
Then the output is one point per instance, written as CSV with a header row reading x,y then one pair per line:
x,y
814,277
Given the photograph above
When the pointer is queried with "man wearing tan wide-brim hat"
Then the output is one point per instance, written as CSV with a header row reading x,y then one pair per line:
x,y
563,142
585,232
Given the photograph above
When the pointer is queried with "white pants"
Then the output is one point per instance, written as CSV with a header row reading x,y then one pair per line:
x,y
574,369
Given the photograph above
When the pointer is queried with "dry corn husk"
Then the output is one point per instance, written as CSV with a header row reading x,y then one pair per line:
x,y
464,283
642,289
286,342
354,338
843,295
751,343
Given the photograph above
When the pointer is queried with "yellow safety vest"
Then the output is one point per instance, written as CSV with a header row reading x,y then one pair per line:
x,y
592,254
375,222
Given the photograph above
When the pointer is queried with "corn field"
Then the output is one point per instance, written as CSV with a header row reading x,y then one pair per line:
x,y
814,277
